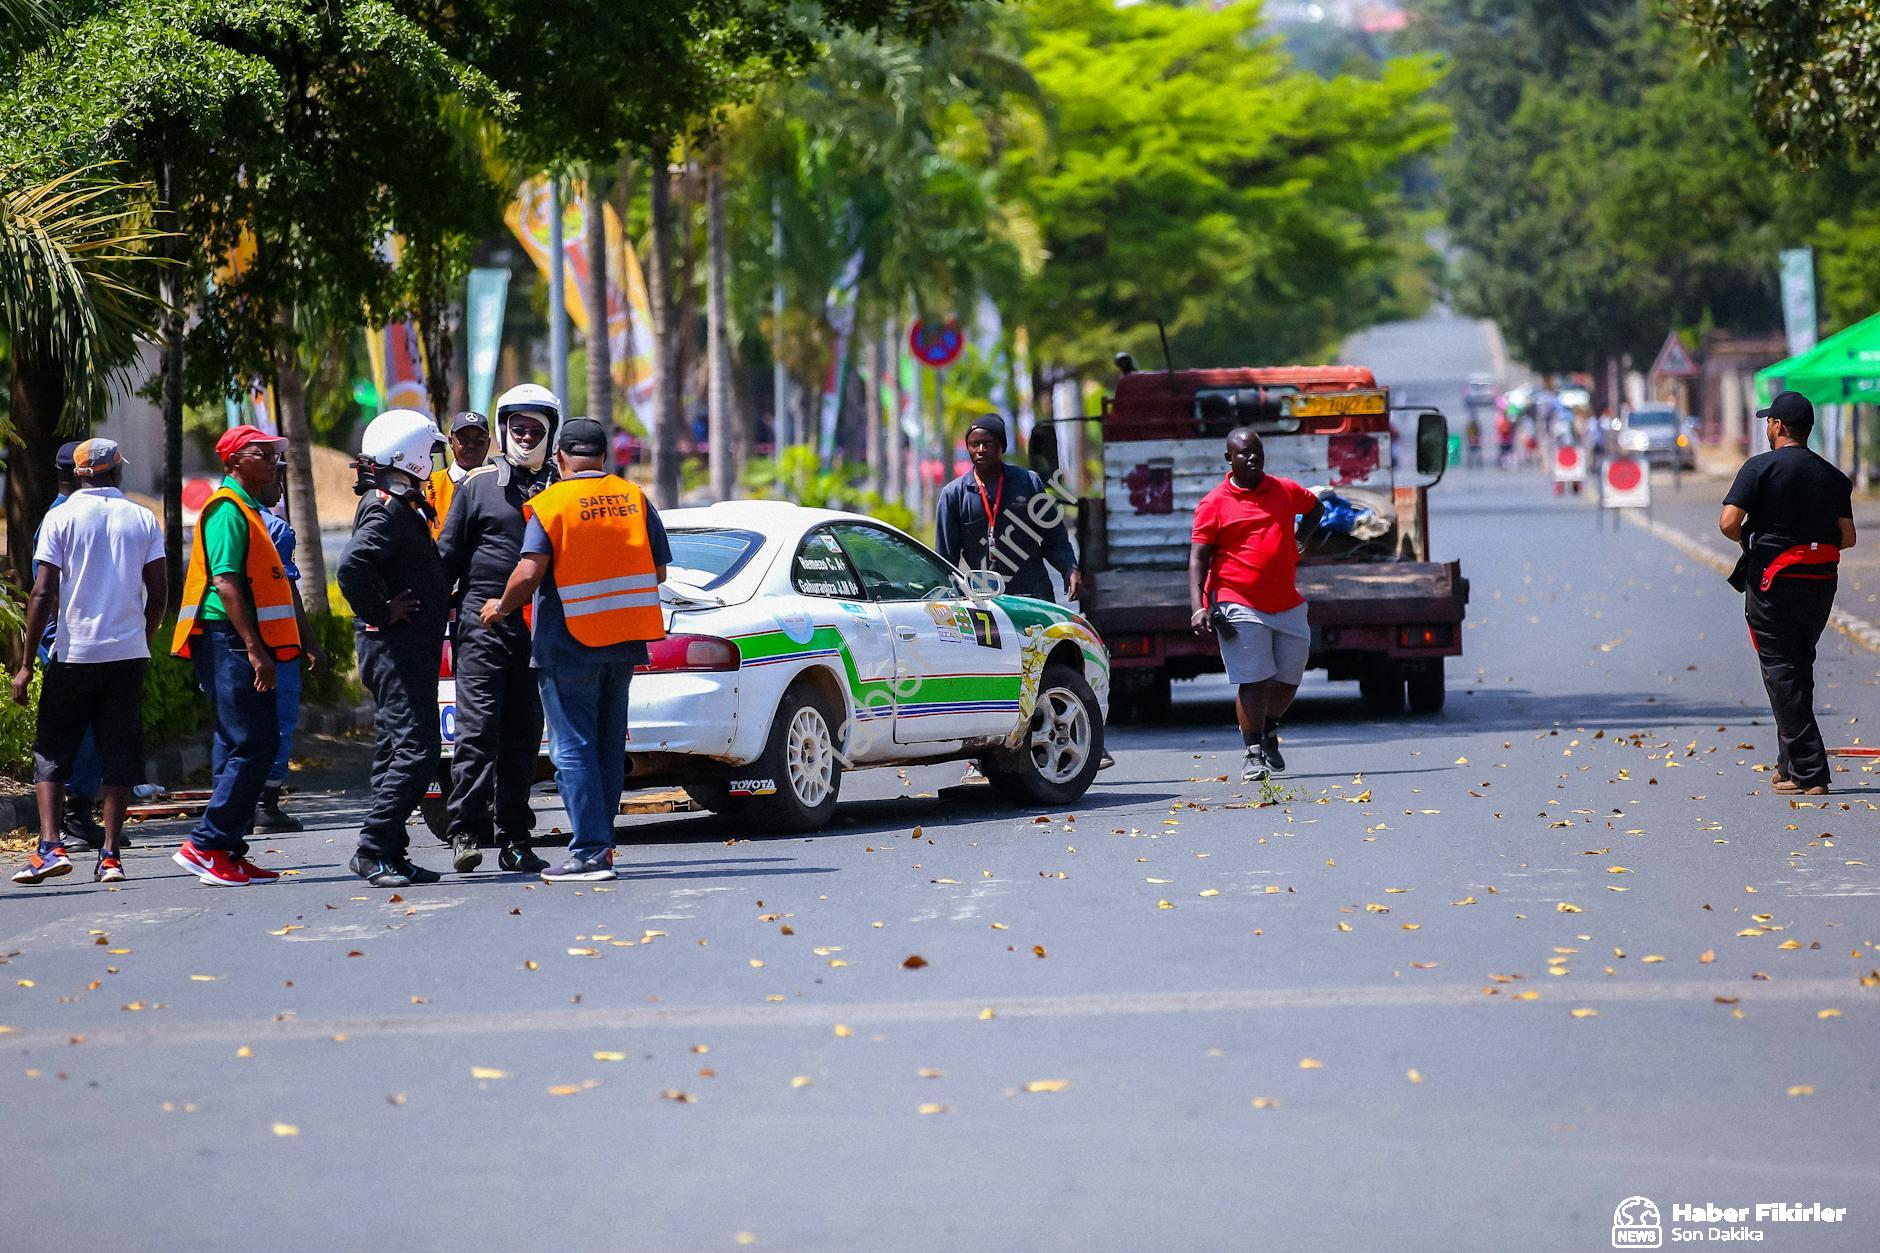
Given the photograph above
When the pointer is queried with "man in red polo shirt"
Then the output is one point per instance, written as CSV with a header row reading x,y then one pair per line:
x,y
1241,587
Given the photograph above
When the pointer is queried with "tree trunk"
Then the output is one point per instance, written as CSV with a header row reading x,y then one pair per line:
x,y
667,418
434,333
600,373
173,436
303,510
38,399
724,435
895,445
873,445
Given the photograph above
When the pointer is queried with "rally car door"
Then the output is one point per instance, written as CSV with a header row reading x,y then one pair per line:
x,y
956,663
830,596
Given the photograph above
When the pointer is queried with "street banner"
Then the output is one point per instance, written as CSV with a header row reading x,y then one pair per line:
x,y
397,352
839,310
1798,299
484,299
1027,414
630,348
1625,483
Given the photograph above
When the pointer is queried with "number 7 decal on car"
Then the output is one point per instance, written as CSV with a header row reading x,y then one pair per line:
x,y
980,624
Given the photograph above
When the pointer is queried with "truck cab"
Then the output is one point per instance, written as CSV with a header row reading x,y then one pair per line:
x,y
1381,612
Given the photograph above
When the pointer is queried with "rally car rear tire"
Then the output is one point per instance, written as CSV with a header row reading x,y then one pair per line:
x,y
803,757
717,798
1062,747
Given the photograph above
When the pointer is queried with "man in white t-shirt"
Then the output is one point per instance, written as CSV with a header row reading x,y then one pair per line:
x,y
100,559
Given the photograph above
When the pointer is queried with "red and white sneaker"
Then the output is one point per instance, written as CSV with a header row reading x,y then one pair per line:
x,y
212,866
257,874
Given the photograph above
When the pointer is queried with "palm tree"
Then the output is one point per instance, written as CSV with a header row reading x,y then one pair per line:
x,y
77,257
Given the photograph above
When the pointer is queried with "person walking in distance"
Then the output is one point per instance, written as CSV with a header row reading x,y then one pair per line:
x,y
269,816
499,708
593,559
1242,567
469,448
236,622
392,577
100,561
1793,514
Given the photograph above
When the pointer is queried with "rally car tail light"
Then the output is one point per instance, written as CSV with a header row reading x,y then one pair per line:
x,y
445,668
692,652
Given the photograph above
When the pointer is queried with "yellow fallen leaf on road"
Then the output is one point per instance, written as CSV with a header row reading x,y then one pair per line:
x,y
610,1057
1165,904
756,964
1567,907
1586,1013
565,1089
1802,1089
1344,926
1265,1102
842,1031
1752,931
1651,959
1462,761
683,1098
1414,1075
801,1081
583,952
1789,945
1707,956
488,1072
1827,1013
204,978
933,1109
1158,880
1208,892
928,1072
1311,1063
286,1130
1617,870
1467,900
1047,1085
986,1014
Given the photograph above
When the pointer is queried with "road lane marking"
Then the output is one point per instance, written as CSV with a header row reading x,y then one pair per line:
x,y
1855,628
823,1015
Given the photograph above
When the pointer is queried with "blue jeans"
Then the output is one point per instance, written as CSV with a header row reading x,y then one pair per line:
x,y
287,706
247,736
586,708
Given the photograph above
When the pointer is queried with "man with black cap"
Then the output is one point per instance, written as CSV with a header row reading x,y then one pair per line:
x,y
81,830
1000,517
499,710
1793,513
593,558
469,449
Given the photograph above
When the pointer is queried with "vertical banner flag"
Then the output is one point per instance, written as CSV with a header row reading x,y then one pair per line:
x,y
255,405
1798,299
630,349
484,299
840,312
1021,381
397,354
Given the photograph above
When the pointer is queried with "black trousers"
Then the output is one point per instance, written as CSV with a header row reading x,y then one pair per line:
x,y
399,668
1785,625
499,733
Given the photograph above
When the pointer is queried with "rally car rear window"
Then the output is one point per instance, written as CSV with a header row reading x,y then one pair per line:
x,y
707,557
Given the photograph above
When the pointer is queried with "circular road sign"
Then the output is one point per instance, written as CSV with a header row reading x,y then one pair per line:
x,y
938,345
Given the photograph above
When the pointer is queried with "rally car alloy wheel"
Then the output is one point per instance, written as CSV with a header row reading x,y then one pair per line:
x,y
1062,746
801,766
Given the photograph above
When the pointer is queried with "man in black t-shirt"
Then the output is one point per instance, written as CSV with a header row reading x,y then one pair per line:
x,y
1793,513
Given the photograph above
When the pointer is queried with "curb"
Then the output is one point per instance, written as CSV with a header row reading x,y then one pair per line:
x,y
1855,628
343,721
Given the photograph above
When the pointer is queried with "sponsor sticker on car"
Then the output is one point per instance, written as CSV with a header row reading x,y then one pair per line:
x,y
752,787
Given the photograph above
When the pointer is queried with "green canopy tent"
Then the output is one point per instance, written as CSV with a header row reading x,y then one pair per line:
x,y
1843,369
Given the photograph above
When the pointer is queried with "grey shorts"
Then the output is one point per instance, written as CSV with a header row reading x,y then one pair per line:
x,y
1265,646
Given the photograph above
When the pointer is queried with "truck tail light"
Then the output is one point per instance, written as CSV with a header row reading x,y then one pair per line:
x,y
1425,636
692,652
445,667
1132,646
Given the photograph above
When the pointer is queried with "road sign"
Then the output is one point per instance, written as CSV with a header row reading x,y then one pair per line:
x,y
936,346
1569,465
1674,360
196,493
1626,483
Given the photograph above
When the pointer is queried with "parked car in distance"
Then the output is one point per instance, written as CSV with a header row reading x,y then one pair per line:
x,y
1661,435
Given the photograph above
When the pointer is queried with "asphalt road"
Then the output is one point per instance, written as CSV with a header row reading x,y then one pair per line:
x,y
1486,975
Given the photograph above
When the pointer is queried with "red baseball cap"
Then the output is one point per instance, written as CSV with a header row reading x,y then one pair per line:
x,y
239,437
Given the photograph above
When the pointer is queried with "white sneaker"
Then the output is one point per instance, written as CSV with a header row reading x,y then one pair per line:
x,y
1256,770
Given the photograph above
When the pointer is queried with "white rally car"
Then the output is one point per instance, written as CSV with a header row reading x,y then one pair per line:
x,y
805,642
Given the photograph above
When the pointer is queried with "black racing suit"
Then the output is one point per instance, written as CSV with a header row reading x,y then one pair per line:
x,y
391,551
499,709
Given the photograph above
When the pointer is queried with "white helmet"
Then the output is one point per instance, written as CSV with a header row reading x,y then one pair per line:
x,y
537,399
402,439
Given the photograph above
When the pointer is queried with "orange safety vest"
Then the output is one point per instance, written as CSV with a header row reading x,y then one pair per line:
x,y
603,559
268,585
438,490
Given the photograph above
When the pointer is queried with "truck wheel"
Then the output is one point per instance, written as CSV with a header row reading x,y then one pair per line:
x,y
1062,747
1139,696
803,758
1427,691
1382,693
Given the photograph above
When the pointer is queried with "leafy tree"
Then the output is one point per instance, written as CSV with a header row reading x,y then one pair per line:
x,y
1813,73
1193,174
